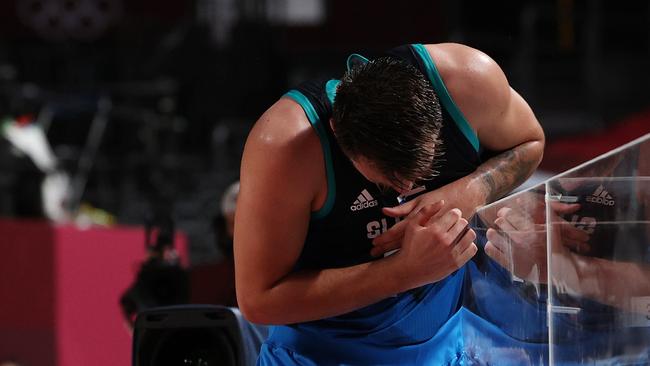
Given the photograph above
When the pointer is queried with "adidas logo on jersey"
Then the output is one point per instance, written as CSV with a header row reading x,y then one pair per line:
x,y
364,200
601,196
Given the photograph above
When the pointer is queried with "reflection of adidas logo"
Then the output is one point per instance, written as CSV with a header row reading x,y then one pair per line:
x,y
364,200
601,196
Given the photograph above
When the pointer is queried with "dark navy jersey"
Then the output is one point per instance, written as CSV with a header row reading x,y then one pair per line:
x,y
400,329
340,233
609,213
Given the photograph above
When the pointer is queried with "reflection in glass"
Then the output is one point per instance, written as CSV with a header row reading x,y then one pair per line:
x,y
564,277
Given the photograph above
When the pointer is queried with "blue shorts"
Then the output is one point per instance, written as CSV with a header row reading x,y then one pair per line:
x,y
398,330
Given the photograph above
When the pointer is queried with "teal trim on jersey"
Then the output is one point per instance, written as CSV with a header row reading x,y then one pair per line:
x,y
330,89
445,98
349,62
317,124
301,99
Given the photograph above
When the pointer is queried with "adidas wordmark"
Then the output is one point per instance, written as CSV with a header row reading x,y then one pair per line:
x,y
364,200
601,196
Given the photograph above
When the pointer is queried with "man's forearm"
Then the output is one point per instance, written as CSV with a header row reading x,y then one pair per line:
x,y
608,277
315,294
506,171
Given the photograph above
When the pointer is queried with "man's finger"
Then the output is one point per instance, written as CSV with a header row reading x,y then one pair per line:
x,y
497,239
427,212
465,256
467,231
518,237
464,239
578,247
401,210
458,230
562,208
571,232
504,225
444,219
520,220
497,255
394,234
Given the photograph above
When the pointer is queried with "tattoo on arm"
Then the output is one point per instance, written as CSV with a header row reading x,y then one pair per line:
x,y
506,171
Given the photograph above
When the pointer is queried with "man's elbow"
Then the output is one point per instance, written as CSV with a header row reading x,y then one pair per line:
x,y
537,147
253,309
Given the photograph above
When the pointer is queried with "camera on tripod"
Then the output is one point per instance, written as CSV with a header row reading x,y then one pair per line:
x,y
161,280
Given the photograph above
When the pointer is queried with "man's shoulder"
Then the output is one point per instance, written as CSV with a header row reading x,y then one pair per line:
x,y
456,58
282,155
284,127
474,80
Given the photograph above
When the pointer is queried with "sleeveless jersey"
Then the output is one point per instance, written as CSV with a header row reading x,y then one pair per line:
x,y
340,233
398,329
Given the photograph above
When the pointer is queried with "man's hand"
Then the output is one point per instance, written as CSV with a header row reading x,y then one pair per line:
x,y
519,244
392,239
435,244
458,194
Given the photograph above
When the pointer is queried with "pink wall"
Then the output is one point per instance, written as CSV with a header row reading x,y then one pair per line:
x,y
60,290
26,293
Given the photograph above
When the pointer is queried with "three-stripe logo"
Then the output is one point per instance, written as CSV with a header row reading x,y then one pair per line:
x,y
364,200
601,196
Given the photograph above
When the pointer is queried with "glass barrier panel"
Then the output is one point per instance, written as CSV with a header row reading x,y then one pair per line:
x,y
507,279
562,276
599,261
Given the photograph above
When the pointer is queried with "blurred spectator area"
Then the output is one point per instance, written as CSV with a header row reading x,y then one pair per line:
x,y
187,79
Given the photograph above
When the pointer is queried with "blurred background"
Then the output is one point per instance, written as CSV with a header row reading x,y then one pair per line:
x,y
115,113
147,104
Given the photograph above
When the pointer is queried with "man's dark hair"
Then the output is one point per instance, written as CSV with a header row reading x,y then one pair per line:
x,y
387,112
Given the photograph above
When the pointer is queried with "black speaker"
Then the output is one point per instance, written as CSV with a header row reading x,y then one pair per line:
x,y
187,335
